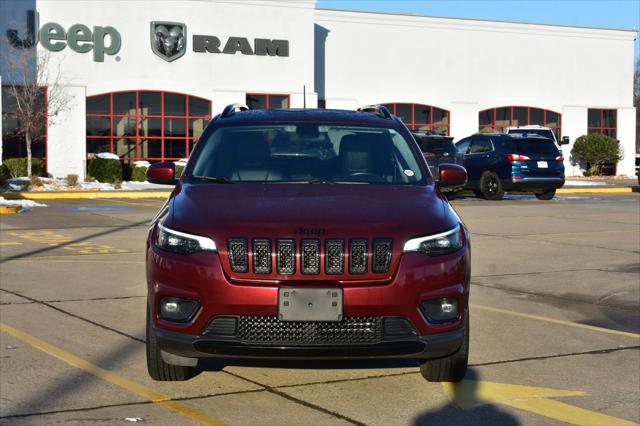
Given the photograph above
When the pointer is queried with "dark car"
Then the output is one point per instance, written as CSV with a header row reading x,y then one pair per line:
x,y
497,163
438,149
307,234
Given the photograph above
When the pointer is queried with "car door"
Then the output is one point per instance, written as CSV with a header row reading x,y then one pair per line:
x,y
477,158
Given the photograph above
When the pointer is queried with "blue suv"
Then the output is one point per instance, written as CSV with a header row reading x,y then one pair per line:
x,y
497,163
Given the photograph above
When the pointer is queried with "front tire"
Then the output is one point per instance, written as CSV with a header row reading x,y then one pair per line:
x,y
157,368
548,195
451,368
491,187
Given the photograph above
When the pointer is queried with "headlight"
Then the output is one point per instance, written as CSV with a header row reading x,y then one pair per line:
x,y
437,244
182,243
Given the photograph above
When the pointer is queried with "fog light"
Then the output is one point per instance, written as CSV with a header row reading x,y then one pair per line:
x,y
440,310
175,309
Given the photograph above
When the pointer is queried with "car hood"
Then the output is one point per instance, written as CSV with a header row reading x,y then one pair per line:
x,y
282,210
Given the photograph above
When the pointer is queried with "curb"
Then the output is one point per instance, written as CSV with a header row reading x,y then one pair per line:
x,y
10,209
84,195
588,190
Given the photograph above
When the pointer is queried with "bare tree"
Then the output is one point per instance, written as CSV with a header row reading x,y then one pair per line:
x,y
636,102
36,87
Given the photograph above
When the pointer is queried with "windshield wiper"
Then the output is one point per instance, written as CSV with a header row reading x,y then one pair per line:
x,y
214,179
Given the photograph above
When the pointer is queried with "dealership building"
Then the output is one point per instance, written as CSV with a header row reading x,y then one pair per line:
x,y
143,78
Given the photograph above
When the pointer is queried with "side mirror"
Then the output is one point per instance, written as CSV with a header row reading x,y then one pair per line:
x,y
451,176
565,140
163,173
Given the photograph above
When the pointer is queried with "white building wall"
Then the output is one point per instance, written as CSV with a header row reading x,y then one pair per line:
x,y
466,66
66,147
574,124
627,138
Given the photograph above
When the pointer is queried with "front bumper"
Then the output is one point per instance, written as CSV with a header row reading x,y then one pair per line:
x,y
420,347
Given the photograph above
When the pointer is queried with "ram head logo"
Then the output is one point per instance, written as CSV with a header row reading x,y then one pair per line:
x,y
168,39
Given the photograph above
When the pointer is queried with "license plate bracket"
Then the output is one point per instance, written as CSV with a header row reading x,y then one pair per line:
x,y
310,304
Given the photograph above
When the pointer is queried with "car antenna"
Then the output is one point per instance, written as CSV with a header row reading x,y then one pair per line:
x,y
304,96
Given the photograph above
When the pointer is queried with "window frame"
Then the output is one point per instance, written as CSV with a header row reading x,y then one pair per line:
x,y
601,128
138,117
511,108
268,96
392,106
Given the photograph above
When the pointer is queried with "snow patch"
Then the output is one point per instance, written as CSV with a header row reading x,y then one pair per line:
x,y
584,183
141,164
25,204
107,156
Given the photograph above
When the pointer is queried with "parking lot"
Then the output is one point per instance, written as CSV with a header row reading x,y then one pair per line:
x,y
554,316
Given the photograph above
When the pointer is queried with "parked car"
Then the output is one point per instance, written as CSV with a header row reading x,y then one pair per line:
x,y
497,163
535,129
307,234
438,149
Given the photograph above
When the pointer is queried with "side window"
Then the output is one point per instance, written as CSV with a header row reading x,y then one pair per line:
x,y
479,146
463,145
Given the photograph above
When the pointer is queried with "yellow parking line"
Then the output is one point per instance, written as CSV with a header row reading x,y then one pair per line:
x,y
556,321
10,243
101,373
566,413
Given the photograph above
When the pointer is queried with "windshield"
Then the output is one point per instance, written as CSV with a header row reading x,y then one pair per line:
x,y
545,133
533,147
436,145
305,152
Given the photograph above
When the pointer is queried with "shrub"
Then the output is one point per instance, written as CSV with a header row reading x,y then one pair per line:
x,y
487,130
72,180
117,184
35,182
598,150
105,169
179,170
16,167
138,173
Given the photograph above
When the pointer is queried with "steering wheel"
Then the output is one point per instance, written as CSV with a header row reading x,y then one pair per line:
x,y
362,177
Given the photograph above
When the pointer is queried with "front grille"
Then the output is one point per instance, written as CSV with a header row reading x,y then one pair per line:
x,y
262,256
238,254
310,259
358,256
381,255
271,330
286,257
314,256
334,257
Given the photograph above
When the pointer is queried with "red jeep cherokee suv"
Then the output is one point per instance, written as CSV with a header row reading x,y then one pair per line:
x,y
307,234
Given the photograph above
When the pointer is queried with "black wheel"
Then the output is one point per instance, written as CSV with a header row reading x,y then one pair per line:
x,y
491,187
157,368
451,368
548,195
477,193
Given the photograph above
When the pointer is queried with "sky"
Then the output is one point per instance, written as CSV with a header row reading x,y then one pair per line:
x,y
624,14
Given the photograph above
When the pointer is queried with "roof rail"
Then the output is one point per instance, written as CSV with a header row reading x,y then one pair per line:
x,y
231,109
379,110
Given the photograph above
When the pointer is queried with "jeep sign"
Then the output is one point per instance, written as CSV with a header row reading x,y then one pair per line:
x,y
78,37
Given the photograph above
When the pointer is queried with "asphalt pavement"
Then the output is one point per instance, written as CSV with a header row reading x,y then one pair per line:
x,y
554,317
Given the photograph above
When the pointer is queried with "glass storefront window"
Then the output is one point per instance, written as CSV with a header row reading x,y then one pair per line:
x,y
267,101
145,125
603,121
13,142
422,118
498,119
